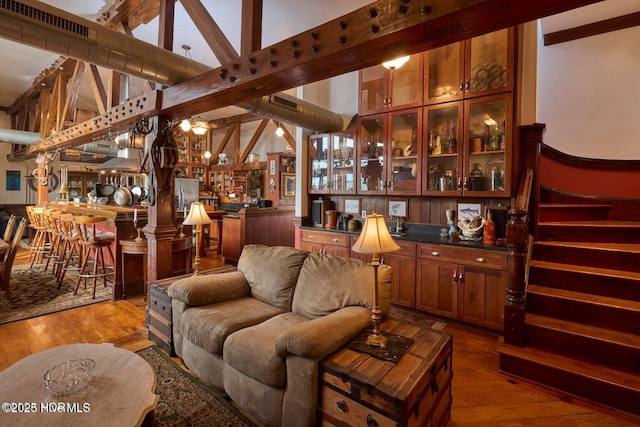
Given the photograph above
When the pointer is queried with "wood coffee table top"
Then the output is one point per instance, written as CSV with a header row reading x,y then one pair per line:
x,y
120,393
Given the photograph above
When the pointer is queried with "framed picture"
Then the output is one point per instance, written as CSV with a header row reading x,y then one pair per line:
x,y
13,181
288,186
398,208
469,211
352,206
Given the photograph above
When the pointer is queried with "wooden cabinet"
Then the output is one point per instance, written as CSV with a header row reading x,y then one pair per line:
x,y
382,89
479,161
191,160
81,183
326,242
479,66
469,96
462,283
390,153
403,282
332,163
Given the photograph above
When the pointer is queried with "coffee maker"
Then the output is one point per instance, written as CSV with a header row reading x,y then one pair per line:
x,y
343,221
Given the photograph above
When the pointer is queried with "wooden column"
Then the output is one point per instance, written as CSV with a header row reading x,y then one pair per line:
x,y
160,228
530,146
517,236
43,189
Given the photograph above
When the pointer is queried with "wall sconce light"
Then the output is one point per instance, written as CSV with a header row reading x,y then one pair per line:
x,y
394,64
207,154
185,125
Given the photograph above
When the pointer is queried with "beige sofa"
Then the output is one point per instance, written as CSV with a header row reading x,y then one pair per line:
x,y
259,332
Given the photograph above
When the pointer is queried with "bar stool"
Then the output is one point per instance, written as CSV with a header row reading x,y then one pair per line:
x,y
7,234
41,241
70,250
52,218
92,244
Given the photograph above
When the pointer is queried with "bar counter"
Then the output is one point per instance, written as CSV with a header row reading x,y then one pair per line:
x,y
120,223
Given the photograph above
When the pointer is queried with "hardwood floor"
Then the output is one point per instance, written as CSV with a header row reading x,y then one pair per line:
x,y
481,394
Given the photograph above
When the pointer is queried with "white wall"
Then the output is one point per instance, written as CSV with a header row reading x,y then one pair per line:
x,y
11,197
589,95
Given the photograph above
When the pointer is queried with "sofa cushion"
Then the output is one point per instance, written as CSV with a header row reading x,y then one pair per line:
x,y
272,272
208,326
252,350
328,283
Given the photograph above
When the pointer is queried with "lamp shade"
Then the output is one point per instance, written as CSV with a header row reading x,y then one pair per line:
x,y
199,126
375,237
197,215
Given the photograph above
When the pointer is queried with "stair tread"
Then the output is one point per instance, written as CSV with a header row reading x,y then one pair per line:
x,y
573,205
618,337
571,364
606,223
581,296
604,272
623,247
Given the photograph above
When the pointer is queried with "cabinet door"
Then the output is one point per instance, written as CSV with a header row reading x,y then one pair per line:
x,y
343,165
442,122
336,251
490,63
487,167
435,292
311,247
373,89
403,282
444,74
319,163
481,297
405,152
406,84
371,151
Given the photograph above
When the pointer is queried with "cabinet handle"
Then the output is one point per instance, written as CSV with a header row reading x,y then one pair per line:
x,y
311,237
342,405
435,253
481,259
461,85
389,104
336,240
371,422
459,183
461,278
465,183
455,276
466,86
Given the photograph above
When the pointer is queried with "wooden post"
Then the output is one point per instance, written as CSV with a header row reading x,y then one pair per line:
x,y
160,229
42,185
530,144
517,236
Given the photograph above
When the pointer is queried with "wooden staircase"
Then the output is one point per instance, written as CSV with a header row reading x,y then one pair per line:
x,y
582,316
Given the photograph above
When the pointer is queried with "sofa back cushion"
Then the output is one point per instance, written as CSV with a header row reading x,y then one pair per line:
x,y
272,272
328,283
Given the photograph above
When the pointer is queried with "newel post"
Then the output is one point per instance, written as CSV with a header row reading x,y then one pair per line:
x,y
516,286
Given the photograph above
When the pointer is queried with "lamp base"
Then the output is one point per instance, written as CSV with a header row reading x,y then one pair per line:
x,y
376,340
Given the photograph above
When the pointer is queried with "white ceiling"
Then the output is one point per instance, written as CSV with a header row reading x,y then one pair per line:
x,y
281,19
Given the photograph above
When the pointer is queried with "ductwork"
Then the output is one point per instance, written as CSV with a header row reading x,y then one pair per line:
x,y
45,27
23,137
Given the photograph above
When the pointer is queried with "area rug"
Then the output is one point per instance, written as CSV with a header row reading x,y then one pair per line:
x,y
184,400
34,292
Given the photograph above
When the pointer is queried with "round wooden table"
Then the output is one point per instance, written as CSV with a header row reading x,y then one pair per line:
x,y
120,393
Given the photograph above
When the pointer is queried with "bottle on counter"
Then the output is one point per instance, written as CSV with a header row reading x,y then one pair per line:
x,y
489,234
485,138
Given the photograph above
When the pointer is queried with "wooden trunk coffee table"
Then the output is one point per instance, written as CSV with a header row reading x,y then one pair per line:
x,y
120,393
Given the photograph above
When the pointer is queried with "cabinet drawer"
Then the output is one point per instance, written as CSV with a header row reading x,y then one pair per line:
x,y
338,407
467,256
335,239
407,249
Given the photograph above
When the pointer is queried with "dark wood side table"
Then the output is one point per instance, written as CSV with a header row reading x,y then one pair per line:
x,y
356,388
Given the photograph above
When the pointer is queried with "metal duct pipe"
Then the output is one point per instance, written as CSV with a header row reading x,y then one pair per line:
x,y
12,136
45,27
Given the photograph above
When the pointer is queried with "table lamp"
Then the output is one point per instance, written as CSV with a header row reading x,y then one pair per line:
x,y
375,239
198,217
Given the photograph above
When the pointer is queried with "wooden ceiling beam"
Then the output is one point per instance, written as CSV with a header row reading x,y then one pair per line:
x,y
254,140
166,24
226,121
73,92
213,35
99,92
251,29
365,37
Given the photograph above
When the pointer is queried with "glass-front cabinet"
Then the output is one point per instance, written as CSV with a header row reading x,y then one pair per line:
x,y
332,163
488,151
383,89
479,66
474,137
390,153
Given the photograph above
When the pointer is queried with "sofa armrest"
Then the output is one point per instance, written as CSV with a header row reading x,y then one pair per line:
x,y
322,336
210,288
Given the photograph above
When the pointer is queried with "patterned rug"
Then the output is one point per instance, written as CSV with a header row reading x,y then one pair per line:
x,y
185,401
416,317
34,292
